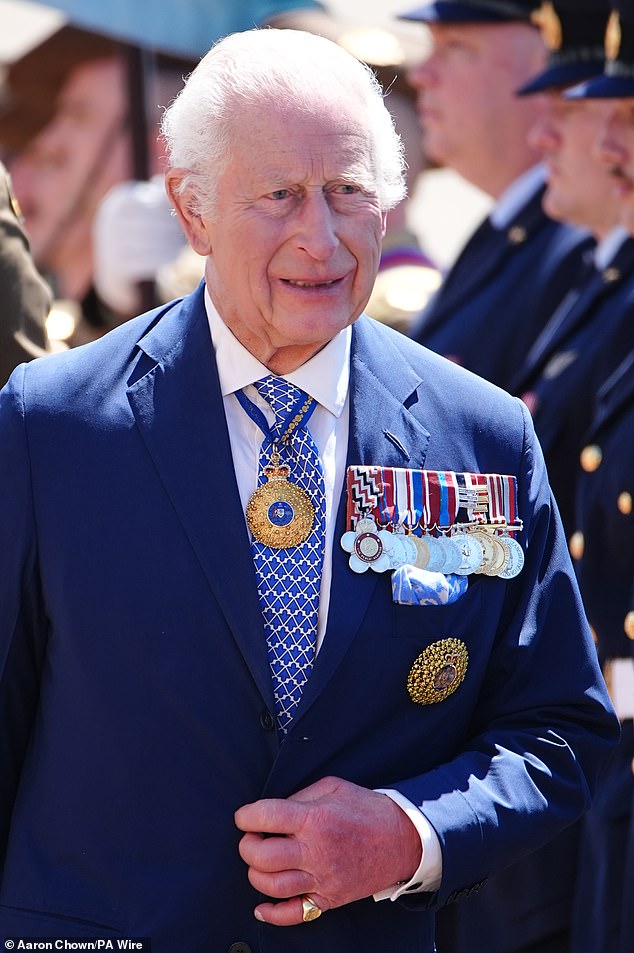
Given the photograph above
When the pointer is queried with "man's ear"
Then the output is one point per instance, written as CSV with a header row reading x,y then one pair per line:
x,y
190,220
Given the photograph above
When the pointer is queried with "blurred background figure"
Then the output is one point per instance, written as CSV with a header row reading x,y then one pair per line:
x,y
24,296
407,276
64,168
604,548
576,351
519,264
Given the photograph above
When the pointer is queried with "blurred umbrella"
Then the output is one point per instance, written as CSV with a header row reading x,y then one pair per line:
x,y
147,28
181,27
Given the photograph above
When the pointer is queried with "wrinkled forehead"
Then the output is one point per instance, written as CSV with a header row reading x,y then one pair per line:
x,y
326,121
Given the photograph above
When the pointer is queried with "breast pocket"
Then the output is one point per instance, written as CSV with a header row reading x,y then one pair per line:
x,y
459,619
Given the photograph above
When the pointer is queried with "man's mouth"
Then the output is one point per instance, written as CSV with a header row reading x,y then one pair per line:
x,y
297,283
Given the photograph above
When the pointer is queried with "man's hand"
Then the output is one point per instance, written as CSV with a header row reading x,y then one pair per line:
x,y
334,841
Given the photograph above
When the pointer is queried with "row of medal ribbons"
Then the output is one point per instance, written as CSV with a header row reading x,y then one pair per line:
x,y
438,521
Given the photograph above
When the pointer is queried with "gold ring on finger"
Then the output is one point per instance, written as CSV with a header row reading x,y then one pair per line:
x,y
310,910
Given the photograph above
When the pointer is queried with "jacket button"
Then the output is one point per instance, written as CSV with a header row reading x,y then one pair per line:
x,y
267,720
591,458
576,545
240,947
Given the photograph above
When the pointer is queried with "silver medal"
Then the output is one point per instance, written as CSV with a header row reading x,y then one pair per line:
x,y
436,559
403,551
453,556
471,552
515,561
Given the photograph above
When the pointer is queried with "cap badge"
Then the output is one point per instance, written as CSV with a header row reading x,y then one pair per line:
x,y
548,21
613,37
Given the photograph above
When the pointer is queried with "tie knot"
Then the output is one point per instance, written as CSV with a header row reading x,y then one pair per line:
x,y
280,395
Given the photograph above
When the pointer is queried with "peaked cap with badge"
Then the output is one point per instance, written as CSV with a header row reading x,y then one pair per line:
x,y
617,79
574,31
472,11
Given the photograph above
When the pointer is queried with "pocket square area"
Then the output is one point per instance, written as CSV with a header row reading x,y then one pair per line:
x,y
419,587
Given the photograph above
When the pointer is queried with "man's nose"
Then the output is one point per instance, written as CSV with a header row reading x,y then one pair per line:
x,y
316,233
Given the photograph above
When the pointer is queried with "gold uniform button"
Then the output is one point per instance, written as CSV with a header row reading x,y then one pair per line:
x,y
517,234
628,625
576,545
591,457
624,503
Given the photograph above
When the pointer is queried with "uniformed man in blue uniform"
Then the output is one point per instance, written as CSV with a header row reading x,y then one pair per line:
x,y
603,546
576,351
519,264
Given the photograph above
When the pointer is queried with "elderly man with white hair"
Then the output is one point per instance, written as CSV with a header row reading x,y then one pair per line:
x,y
291,649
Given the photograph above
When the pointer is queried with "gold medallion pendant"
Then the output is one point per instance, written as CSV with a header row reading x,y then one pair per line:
x,y
280,514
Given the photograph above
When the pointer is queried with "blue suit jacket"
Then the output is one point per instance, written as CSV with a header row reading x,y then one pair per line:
x,y
503,287
134,682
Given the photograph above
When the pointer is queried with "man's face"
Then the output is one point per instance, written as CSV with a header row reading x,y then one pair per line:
x,y
579,189
75,159
616,150
295,239
466,93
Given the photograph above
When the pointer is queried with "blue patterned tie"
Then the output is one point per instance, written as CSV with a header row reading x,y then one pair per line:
x,y
289,579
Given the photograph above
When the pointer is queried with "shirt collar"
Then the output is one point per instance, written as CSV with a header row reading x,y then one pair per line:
x,y
607,248
516,196
325,376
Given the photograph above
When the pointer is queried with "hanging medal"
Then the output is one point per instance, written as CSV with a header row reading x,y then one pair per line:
x,y
503,513
280,513
515,560
407,510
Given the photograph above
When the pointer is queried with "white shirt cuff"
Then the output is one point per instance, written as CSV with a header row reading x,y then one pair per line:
x,y
429,873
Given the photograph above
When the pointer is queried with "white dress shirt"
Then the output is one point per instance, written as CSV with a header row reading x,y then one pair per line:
x,y
326,377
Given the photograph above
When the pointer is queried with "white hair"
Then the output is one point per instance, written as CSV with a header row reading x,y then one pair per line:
x,y
271,65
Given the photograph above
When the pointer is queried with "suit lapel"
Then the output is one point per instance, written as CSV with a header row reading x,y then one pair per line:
x,y
380,378
176,399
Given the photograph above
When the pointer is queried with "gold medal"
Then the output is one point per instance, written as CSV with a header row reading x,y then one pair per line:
x,y
280,514
493,554
422,552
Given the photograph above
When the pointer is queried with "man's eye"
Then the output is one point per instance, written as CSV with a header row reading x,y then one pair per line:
x,y
345,188
280,194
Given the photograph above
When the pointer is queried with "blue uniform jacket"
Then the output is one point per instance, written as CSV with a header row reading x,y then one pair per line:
x,y
501,290
134,682
577,350
604,921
